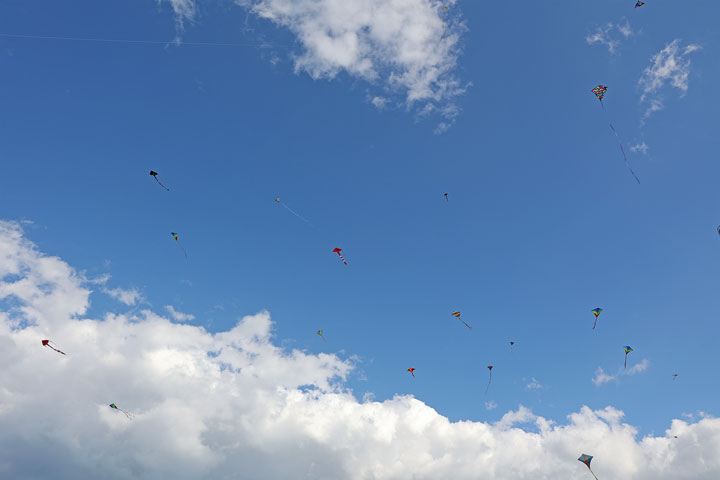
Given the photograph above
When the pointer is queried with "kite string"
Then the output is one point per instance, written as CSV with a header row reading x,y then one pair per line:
x,y
627,164
150,42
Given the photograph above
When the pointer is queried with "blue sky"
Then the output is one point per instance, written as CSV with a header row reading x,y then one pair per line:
x,y
543,223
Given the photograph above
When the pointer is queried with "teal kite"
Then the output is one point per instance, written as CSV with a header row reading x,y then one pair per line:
x,y
586,459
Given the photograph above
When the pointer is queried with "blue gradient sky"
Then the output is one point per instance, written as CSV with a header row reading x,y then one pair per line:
x,y
544,222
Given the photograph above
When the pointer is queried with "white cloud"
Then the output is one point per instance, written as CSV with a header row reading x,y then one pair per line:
x,y
601,377
402,47
605,35
534,385
179,316
129,296
490,405
670,65
210,405
379,102
185,11
640,147
637,368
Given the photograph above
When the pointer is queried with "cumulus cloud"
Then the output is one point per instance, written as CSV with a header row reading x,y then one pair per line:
x,y
640,147
210,405
670,65
129,296
490,405
179,316
610,35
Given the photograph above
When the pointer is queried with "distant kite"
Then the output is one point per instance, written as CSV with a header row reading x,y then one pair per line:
x,y
586,459
46,343
490,367
277,200
597,312
447,200
444,23
457,314
675,375
411,370
175,236
320,332
511,345
718,229
338,250
599,92
628,349
127,414
639,4
154,175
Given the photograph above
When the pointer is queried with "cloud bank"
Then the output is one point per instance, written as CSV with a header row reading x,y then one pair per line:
x,y
232,404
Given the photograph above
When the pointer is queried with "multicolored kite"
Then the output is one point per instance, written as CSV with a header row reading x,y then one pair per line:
x,y
586,459
46,343
628,349
446,199
154,175
320,332
457,314
127,414
599,92
639,4
175,236
338,250
490,367
597,312
411,370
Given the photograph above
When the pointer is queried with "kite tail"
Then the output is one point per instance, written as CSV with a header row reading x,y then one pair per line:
x,y
166,188
466,324
127,414
489,382
56,349
595,324
625,361
593,473
323,339
181,248
622,149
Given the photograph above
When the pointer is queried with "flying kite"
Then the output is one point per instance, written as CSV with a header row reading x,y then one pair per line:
x,y
277,200
175,236
511,345
457,314
154,175
320,332
127,414
628,349
46,343
490,367
597,312
446,199
586,459
445,10
718,229
411,370
338,250
675,375
599,92
639,4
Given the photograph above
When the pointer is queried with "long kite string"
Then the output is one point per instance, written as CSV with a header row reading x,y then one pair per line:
x,y
620,142
150,42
